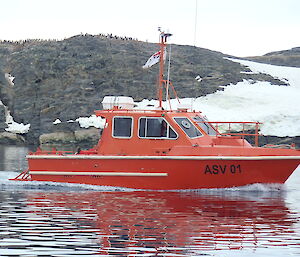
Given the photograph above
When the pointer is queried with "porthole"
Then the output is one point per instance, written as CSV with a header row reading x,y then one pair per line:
x,y
186,124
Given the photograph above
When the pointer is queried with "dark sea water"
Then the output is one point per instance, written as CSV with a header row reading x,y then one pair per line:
x,y
50,219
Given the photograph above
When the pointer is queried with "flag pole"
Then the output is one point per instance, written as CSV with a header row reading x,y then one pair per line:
x,y
168,76
163,42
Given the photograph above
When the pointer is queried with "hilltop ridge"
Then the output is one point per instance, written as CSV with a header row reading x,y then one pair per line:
x,y
289,57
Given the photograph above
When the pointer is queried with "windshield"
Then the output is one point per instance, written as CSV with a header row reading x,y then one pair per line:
x,y
207,128
188,127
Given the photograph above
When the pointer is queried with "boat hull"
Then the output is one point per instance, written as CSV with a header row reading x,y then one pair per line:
x,y
162,172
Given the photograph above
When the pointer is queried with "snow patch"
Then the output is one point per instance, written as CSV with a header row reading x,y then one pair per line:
x,y
277,107
86,122
18,128
283,73
92,121
10,79
274,106
14,127
198,78
57,121
146,104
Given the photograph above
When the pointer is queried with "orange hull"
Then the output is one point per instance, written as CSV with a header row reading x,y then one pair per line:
x,y
162,172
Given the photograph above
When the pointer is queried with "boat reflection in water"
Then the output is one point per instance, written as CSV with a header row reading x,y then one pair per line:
x,y
154,223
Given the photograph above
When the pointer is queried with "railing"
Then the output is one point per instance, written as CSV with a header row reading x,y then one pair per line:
x,y
233,128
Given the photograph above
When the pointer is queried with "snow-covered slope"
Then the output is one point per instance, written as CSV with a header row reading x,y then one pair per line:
x,y
277,107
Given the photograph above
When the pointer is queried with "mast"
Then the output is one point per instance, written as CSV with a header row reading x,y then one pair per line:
x,y
163,43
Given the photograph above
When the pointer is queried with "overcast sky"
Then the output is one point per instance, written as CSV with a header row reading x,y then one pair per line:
x,y
237,27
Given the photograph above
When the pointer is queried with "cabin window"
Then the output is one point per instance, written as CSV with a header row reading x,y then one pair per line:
x,y
155,127
122,127
188,127
207,127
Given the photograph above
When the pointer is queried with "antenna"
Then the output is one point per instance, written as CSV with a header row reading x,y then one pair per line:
x,y
195,29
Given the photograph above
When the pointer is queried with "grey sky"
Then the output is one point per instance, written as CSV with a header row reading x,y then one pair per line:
x,y
236,27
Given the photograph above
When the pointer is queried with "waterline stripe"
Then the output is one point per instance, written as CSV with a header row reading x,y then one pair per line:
x,y
92,173
147,157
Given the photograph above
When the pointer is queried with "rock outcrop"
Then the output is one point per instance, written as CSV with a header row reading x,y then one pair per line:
x,y
8,138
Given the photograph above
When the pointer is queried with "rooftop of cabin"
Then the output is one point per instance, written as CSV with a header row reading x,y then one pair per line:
x,y
127,112
125,105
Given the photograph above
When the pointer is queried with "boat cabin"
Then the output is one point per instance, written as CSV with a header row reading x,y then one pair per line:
x,y
130,131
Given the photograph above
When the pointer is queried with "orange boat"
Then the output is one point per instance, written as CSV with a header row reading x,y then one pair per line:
x,y
164,150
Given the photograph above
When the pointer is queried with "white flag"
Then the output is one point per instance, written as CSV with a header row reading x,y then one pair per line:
x,y
153,59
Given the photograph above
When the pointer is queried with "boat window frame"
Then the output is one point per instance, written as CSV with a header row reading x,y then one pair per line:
x,y
184,117
131,131
161,138
208,126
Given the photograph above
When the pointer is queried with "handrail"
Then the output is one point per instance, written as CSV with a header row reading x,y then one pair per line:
x,y
244,132
230,131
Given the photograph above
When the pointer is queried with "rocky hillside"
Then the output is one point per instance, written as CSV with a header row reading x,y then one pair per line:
x,y
68,79
289,58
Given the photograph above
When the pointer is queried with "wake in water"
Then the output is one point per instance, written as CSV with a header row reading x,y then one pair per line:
x,y
255,192
6,184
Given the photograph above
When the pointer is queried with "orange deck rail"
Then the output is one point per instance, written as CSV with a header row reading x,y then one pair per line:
x,y
247,128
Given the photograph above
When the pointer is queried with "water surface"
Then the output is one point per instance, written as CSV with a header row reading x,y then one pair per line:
x,y
51,219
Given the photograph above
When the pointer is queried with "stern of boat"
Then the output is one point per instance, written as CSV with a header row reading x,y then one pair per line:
x,y
23,176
